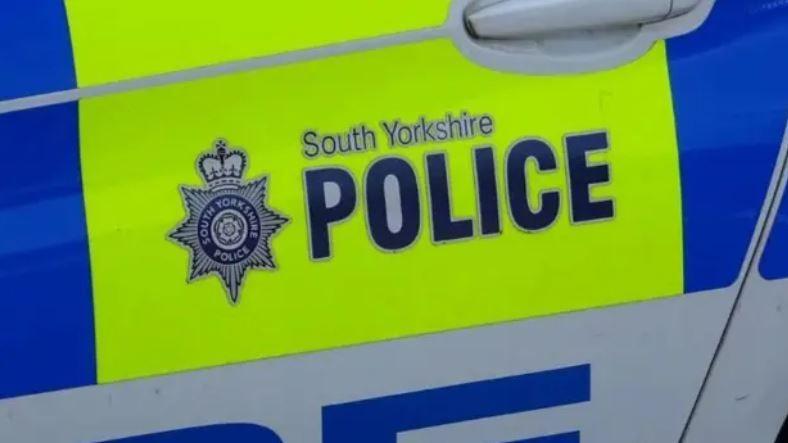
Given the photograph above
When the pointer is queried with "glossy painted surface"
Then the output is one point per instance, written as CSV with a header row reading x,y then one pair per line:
x,y
151,321
727,126
774,264
380,420
730,98
647,362
122,40
35,48
46,304
744,398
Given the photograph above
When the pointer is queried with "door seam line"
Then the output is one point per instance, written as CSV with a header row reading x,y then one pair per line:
x,y
761,237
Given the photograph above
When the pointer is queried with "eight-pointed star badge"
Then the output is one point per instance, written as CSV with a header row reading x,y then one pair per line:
x,y
228,227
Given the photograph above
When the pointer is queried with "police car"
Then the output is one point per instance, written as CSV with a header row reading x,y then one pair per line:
x,y
466,221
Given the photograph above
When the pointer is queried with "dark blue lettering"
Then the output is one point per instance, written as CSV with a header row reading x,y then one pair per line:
x,y
582,176
444,226
322,211
517,185
408,195
487,191
308,140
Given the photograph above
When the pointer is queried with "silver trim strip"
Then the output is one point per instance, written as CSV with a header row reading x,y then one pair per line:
x,y
303,55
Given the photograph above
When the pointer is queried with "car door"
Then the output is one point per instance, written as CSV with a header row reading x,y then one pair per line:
x,y
376,221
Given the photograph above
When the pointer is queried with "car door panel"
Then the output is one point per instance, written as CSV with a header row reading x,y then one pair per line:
x,y
353,337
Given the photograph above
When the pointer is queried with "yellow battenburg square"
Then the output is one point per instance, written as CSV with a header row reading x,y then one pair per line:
x,y
139,147
121,40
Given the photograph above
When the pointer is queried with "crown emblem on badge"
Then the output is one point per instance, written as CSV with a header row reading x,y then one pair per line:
x,y
229,227
223,168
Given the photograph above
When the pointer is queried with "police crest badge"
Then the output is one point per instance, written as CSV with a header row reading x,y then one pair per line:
x,y
228,226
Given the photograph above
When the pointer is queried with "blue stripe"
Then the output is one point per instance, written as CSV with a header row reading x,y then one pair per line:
x,y
774,263
46,311
35,48
731,106
378,420
569,437
230,433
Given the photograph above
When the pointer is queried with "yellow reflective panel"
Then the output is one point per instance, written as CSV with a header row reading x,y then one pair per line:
x,y
139,147
116,41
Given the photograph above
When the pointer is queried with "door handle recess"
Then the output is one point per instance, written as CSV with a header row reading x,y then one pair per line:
x,y
530,19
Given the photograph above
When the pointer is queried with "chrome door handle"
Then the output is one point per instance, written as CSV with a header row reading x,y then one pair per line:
x,y
527,19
